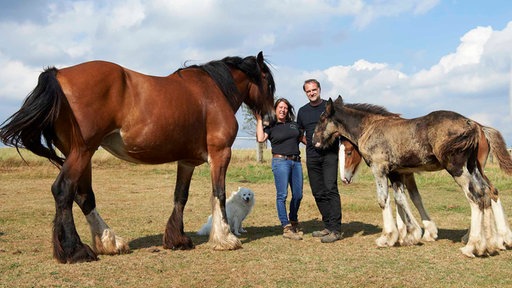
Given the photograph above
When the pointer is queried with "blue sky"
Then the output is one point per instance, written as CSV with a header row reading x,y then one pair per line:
x,y
411,56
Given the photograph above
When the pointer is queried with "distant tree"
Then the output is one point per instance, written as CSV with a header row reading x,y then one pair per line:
x,y
249,122
249,126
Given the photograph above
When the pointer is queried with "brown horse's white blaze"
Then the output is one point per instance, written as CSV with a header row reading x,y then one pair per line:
x,y
440,140
186,117
349,160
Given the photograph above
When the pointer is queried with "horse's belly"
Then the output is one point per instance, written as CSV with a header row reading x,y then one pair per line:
x,y
114,144
420,168
150,153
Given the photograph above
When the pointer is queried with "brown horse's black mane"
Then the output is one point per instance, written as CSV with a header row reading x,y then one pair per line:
x,y
220,72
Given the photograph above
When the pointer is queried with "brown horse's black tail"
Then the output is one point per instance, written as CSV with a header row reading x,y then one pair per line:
x,y
498,148
35,120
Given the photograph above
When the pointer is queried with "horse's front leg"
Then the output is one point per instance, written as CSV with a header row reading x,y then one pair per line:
x,y
104,240
408,228
389,230
221,237
430,226
67,246
174,236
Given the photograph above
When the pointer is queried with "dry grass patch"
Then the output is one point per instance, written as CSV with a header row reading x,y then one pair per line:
x,y
136,201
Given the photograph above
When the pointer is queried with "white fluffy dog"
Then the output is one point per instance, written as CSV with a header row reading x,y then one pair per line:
x,y
238,206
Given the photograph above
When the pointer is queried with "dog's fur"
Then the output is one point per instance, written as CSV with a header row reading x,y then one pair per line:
x,y
238,206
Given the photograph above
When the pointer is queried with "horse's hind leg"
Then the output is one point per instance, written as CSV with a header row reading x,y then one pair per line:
x,y
104,240
174,236
502,227
431,231
67,246
481,238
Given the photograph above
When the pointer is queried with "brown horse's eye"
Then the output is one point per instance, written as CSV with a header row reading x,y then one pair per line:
x,y
349,153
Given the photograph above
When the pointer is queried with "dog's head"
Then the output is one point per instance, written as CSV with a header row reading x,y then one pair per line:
x,y
246,194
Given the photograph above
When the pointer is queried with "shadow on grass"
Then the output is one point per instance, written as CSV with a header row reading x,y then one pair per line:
x,y
453,235
258,232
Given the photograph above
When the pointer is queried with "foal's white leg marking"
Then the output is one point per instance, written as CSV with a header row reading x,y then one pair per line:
x,y
430,233
389,230
402,228
221,237
341,162
411,233
502,227
476,241
489,230
104,239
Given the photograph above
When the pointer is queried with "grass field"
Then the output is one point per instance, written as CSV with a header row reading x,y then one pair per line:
x,y
136,201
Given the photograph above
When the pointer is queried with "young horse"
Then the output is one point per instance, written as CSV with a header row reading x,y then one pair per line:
x,y
349,160
439,140
188,116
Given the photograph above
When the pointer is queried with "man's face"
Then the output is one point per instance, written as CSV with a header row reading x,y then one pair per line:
x,y
312,91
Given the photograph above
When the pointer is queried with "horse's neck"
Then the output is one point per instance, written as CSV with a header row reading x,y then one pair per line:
x,y
243,87
353,120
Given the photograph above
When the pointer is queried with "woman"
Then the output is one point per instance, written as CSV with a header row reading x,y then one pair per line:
x,y
284,136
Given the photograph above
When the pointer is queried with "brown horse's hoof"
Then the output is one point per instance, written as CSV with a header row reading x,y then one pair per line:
x,y
185,246
82,253
179,243
181,247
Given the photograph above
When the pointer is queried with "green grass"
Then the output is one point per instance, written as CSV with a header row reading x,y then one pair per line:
x,y
136,201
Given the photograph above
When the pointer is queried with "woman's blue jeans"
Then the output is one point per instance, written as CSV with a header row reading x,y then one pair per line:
x,y
287,172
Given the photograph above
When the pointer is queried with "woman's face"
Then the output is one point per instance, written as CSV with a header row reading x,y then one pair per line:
x,y
281,111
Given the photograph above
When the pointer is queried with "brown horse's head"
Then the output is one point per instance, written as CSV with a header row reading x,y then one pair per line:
x,y
326,130
350,158
261,89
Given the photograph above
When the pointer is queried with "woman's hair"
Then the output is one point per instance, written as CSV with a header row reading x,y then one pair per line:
x,y
291,111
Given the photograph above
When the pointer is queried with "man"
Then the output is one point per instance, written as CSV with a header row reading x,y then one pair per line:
x,y
322,166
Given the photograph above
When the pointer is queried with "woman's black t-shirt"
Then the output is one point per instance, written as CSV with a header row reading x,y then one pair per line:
x,y
284,138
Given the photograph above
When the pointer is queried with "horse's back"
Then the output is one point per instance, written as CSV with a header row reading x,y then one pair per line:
x,y
419,144
136,116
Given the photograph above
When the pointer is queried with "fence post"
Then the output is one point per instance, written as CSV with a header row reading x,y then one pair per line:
x,y
259,151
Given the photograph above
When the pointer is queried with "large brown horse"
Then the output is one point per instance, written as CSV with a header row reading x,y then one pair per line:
x,y
188,116
395,147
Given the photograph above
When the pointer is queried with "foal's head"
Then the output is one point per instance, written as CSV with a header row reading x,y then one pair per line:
x,y
326,130
340,119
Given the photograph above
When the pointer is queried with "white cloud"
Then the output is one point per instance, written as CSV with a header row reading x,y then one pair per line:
x,y
469,51
372,10
157,36
474,80
17,80
126,15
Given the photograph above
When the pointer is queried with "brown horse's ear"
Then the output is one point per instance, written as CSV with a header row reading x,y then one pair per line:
x,y
329,110
260,59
